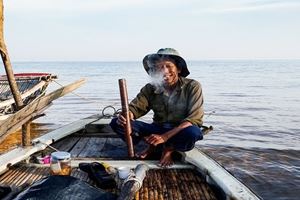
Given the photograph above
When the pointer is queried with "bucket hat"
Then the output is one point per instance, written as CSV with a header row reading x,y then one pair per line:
x,y
149,60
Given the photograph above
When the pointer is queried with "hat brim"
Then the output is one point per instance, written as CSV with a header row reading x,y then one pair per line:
x,y
149,61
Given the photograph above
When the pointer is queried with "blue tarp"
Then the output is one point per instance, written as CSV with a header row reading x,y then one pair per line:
x,y
63,188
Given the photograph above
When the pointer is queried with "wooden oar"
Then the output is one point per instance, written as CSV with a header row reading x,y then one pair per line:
x,y
125,113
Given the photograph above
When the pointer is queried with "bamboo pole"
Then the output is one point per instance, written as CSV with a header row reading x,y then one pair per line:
x,y
7,63
11,78
125,113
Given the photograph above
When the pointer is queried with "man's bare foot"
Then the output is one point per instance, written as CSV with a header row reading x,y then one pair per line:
x,y
146,152
166,158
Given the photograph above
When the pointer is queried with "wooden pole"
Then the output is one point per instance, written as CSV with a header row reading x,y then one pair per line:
x,y
11,78
7,63
125,113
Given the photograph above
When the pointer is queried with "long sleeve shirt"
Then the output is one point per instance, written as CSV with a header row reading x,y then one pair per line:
x,y
185,103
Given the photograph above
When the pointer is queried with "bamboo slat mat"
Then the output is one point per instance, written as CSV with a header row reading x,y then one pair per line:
x,y
174,184
159,184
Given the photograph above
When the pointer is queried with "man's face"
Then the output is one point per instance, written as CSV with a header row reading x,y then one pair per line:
x,y
168,71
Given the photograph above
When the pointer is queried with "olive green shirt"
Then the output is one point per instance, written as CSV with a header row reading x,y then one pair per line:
x,y
185,103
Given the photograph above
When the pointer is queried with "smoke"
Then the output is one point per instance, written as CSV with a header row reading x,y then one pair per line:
x,y
156,77
157,80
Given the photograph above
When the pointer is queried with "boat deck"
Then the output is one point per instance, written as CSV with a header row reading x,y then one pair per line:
x,y
158,184
97,142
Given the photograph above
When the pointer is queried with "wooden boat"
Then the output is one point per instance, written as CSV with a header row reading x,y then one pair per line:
x,y
34,109
31,86
194,175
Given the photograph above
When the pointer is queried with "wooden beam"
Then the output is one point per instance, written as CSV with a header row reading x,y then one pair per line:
x,y
35,107
30,117
152,164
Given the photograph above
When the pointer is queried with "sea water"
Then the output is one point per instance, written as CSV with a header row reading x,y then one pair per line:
x,y
253,105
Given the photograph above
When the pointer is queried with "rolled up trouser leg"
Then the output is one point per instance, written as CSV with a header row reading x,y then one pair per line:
x,y
185,140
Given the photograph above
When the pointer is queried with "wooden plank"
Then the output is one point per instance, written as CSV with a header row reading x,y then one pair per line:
x,y
98,135
93,148
152,164
66,144
80,145
8,125
114,148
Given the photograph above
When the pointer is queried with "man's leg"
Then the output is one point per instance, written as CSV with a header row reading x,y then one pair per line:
x,y
184,141
140,130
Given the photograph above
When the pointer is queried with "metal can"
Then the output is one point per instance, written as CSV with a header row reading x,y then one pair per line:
x,y
60,163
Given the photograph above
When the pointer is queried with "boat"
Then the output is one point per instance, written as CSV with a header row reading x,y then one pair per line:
x,y
31,86
194,174
33,109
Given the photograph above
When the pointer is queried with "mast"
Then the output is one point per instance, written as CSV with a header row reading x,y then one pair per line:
x,y
11,78
7,64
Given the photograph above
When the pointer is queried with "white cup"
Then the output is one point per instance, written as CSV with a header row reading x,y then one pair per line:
x,y
123,172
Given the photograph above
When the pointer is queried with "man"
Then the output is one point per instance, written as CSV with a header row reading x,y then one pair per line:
x,y
177,104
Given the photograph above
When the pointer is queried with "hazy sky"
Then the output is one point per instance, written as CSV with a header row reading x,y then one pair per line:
x,y
125,30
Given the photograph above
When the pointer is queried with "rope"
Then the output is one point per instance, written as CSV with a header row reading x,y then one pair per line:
x,y
48,145
115,111
80,96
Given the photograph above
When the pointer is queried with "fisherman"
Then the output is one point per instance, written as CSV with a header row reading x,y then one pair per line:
x,y
177,104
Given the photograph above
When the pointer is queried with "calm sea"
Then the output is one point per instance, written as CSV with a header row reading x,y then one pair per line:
x,y
253,105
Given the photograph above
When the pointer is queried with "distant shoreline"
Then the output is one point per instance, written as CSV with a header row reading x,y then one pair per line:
x,y
200,60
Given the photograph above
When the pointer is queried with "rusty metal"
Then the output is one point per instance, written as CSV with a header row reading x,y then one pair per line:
x,y
125,113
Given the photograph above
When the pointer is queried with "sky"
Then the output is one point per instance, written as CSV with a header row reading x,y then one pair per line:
x,y
127,30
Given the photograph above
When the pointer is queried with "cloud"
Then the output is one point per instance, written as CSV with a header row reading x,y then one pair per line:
x,y
68,5
210,6
249,6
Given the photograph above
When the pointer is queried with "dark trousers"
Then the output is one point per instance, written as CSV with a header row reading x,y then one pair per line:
x,y
182,141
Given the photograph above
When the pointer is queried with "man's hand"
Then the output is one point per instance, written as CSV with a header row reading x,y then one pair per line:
x,y
122,120
156,139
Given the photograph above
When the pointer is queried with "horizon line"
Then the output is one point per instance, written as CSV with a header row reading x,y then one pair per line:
x,y
188,60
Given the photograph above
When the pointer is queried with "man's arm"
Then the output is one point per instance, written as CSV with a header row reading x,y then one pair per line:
x,y
139,106
195,104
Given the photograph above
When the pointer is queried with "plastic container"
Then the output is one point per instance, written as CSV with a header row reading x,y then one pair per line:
x,y
123,172
44,160
60,163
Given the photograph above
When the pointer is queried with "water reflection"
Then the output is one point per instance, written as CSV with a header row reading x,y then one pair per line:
x,y
262,169
13,140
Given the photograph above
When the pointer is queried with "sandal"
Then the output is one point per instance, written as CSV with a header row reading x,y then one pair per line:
x,y
98,174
